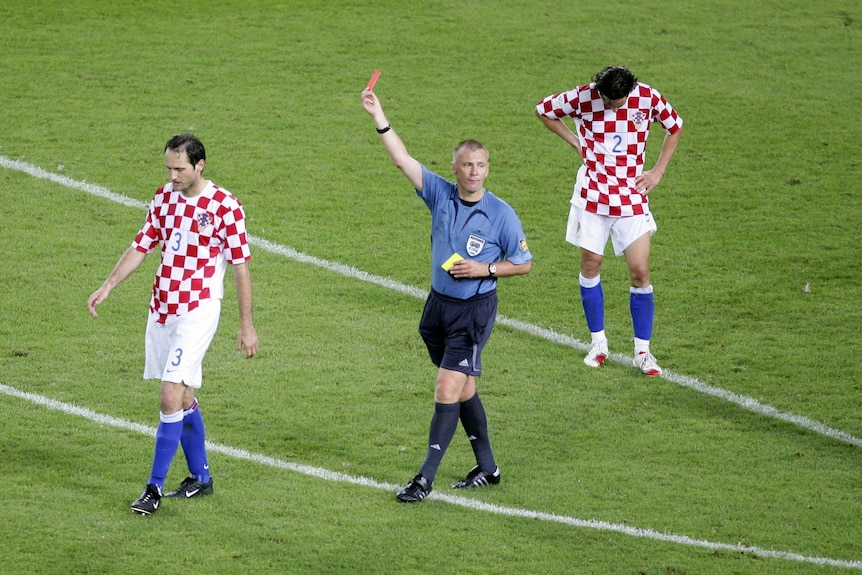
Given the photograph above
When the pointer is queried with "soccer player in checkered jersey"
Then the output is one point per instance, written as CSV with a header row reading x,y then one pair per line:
x,y
476,238
612,117
199,228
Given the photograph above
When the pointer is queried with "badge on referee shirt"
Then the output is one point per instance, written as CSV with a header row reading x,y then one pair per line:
x,y
475,245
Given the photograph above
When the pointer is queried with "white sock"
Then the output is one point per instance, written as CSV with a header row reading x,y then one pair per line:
x,y
589,283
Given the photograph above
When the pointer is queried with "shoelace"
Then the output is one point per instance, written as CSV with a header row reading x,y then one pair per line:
x,y
647,362
188,481
417,490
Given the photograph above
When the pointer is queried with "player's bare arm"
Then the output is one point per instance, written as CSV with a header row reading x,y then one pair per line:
x,y
651,178
409,165
128,263
247,335
560,128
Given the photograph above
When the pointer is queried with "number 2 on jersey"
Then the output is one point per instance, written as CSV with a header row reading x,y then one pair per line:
x,y
616,144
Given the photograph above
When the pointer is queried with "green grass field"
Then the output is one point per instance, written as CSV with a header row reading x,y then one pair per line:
x,y
745,458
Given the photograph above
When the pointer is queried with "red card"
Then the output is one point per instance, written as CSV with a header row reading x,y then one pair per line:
x,y
373,80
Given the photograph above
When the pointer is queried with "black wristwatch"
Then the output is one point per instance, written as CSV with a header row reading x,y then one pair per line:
x,y
492,269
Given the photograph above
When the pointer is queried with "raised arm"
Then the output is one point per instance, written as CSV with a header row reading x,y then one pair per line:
x,y
411,167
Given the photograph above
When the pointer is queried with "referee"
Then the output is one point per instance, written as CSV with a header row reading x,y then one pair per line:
x,y
476,238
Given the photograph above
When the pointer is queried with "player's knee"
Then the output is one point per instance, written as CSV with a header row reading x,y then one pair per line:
x,y
449,386
639,277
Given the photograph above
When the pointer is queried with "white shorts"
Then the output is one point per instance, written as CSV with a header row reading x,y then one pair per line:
x,y
175,349
591,232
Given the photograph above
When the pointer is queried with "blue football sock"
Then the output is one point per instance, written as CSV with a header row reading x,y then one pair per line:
x,y
593,300
642,306
167,442
476,425
193,441
444,423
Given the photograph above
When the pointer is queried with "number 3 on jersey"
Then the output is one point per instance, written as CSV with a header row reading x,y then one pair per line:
x,y
178,242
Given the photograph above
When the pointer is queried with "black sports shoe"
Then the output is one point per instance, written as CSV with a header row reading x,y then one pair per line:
x,y
191,487
478,478
415,491
149,500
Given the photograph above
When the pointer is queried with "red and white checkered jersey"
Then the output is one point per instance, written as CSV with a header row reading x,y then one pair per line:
x,y
613,144
199,236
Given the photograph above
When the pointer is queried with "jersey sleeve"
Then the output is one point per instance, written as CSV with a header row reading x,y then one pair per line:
x,y
514,239
664,114
434,187
148,236
564,104
236,238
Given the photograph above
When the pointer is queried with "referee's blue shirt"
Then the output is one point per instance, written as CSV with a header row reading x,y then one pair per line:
x,y
489,231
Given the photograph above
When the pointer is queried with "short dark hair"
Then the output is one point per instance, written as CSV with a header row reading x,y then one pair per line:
x,y
190,144
615,82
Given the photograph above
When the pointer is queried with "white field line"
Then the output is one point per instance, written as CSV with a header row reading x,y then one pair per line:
x,y
466,502
745,402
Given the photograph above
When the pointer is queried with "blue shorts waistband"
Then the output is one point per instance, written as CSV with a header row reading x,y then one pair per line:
x,y
471,299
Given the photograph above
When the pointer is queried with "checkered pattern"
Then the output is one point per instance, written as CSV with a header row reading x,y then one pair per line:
x,y
613,144
199,236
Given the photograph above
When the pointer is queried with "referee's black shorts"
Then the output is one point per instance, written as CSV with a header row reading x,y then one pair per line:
x,y
456,330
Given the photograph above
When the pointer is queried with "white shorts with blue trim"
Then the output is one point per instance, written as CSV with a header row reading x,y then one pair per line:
x,y
175,349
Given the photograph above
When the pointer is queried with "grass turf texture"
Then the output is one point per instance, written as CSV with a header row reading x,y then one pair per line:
x,y
759,201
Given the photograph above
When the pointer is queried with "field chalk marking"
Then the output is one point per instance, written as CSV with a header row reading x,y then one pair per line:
x,y
748,403
466,502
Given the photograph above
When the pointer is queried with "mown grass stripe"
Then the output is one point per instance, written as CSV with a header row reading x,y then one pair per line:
x,y
460,501
743,401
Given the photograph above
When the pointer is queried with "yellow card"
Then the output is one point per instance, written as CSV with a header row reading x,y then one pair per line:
x,y
447,265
